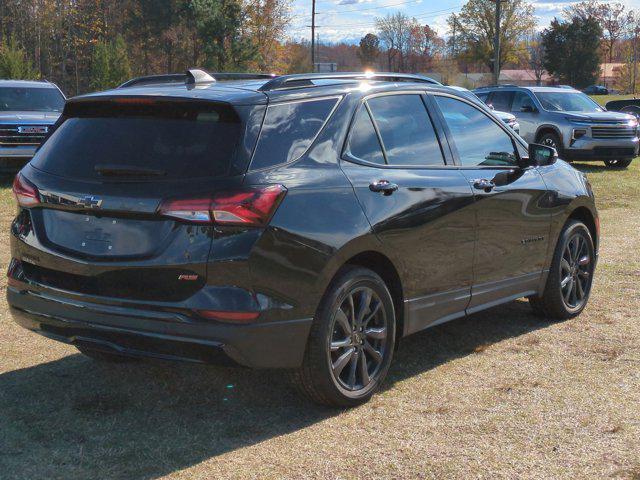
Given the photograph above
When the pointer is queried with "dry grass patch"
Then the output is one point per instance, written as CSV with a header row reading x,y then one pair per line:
x,y
500,394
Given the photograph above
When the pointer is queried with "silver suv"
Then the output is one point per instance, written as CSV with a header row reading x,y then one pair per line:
x,y
28,111
568,120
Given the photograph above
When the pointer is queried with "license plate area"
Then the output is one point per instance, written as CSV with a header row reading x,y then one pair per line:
x,y
103,236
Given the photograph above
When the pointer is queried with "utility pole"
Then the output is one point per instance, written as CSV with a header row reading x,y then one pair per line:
x,y
313,34
635,58
496,45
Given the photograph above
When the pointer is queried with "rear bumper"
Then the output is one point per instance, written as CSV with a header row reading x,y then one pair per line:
x,y
159,334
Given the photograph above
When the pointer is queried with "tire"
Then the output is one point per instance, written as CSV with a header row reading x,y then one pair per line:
x,y
101,356
568,286
619,163
551,140
334,375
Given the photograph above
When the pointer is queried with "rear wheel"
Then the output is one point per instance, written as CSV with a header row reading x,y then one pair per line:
x,y
351,341
618,163
570,276
102,356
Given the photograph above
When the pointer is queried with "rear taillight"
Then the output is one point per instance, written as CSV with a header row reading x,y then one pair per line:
x,y
26,194
252,207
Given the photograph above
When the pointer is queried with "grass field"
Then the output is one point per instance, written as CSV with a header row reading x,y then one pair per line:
x,y
497,395
603,99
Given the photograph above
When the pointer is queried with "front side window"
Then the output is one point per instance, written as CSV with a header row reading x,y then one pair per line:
x,y
406,131
289,129
567,102
363,140
478,139
522,100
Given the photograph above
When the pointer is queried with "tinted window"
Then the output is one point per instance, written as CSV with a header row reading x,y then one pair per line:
x,y
521,99
288,131
198,144
483,96
30,99
363,140
501,101
567,102
407,133
478,139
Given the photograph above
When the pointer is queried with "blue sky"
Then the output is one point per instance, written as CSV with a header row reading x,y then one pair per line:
x,y
349,20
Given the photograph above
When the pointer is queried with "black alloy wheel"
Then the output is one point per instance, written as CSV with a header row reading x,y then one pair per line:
x,y
351,342
357,345
570,277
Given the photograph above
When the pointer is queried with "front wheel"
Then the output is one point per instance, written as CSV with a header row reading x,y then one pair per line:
x,y
570,276
618,163
351,342
551,140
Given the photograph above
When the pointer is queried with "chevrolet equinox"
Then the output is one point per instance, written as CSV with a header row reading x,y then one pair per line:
x,y
303,222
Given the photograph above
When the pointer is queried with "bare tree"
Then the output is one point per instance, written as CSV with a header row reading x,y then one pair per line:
x,y
536,57
394,32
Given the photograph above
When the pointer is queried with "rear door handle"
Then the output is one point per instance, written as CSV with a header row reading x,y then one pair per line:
x,y
483,184
383,186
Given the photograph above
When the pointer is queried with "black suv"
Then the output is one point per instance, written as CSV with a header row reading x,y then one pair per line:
x,y
305,222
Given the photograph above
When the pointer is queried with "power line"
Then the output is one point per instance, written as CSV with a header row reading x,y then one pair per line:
x,y
422,16
370,8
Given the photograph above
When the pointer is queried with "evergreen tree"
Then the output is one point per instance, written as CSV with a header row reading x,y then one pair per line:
x,y
571,50
14,63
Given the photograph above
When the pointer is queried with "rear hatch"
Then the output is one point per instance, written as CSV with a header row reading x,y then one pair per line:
x,y
102,180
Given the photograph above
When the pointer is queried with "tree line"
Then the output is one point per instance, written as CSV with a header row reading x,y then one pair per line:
x,y
85,45
93,44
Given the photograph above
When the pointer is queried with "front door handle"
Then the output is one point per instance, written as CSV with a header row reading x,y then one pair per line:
x,y
483,184
383,186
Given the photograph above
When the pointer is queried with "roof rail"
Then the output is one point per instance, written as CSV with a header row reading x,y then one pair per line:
x,y
499,85
306,79
194,76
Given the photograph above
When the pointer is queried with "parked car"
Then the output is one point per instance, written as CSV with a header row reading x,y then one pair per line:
x,y
630,106
569,121
305,222
27,111
596,90
506,117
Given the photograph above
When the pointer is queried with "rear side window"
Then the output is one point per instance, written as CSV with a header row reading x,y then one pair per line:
x,y
184,143
501,101
363,141
407,134
289,129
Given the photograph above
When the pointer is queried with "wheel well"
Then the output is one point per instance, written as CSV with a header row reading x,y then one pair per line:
x,y
380,264
585,216
545,130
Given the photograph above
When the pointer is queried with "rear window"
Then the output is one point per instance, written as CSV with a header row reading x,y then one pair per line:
x,y
289,129
176,143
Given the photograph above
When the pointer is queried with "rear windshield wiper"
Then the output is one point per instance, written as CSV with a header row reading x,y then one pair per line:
x,y
127,171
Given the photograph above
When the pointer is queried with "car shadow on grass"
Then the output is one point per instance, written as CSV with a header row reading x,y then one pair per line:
x,y
75,418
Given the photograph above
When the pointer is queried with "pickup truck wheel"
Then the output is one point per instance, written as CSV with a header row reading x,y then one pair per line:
x,y
618,163
568,286
551,140
351,342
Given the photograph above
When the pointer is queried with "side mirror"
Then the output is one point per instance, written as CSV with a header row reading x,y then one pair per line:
x,y
540,156
490,105
528,109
